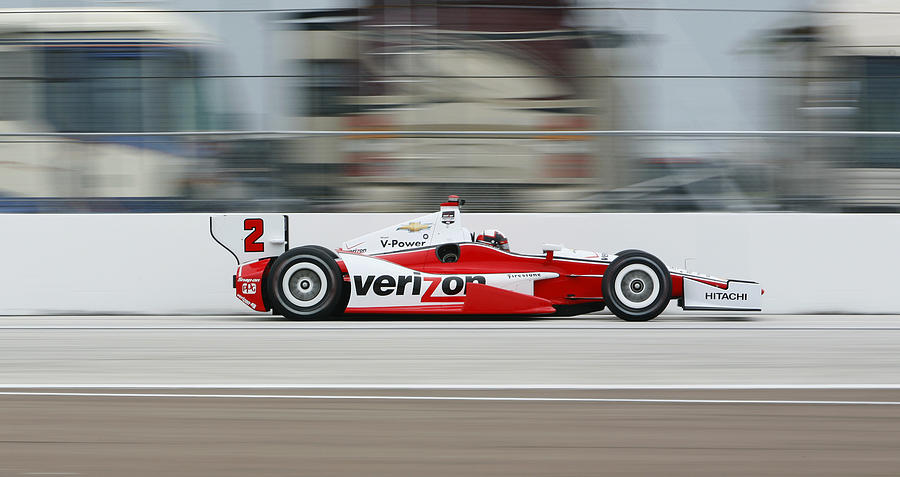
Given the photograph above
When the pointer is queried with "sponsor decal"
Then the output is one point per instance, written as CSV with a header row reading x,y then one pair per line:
x,y
249,286
414,227
394,243
513,276
726,296
247,302
384,285
355,248
448,217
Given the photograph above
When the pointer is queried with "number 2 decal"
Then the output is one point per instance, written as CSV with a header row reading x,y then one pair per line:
x,y
250,243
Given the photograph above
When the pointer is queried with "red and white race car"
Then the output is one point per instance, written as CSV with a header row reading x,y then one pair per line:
x,y
434,265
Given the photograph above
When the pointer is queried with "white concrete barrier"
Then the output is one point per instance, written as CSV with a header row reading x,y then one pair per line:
x,y
168,263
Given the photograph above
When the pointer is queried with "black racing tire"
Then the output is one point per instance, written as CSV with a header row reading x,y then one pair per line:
x,y
345,286
637,286
305,283
343,301
327,251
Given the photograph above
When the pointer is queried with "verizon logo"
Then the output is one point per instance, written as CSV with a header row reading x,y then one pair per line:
x,y
384,285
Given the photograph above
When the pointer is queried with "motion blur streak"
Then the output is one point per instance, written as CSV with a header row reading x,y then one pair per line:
x,y
535,403
233,437
769,350
377,73
202,107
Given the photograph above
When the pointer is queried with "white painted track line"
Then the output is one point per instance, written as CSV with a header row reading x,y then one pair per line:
x,y
449,398
263,323
470,387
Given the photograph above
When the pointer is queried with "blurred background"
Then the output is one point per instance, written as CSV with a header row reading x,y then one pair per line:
x,y
389,105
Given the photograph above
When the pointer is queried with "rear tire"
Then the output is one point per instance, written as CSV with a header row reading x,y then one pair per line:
x,y
305,283
637,286
345,286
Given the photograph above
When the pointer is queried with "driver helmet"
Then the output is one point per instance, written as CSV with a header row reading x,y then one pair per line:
x,y
494,238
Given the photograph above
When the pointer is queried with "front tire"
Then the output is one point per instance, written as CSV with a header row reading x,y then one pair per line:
x,y
305,283
636,286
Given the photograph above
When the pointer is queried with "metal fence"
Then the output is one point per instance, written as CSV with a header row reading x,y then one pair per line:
x,y
280,171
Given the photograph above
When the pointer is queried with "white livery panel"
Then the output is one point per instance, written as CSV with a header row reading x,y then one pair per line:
x,y
432,229
378,283
251,237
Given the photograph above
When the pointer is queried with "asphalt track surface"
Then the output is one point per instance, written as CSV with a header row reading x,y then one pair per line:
x,y
243,395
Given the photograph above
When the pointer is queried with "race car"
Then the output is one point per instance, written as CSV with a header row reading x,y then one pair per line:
x,y
434,265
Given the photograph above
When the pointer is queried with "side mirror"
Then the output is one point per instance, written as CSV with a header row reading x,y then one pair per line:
x,y
549,248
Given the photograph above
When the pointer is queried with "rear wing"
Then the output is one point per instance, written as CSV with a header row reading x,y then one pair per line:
x,y
251,237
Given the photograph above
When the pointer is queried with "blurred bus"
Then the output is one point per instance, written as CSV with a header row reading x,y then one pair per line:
x,y
100,71
845,75
453,66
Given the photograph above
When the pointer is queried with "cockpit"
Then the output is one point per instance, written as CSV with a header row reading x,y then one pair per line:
x,y
494,238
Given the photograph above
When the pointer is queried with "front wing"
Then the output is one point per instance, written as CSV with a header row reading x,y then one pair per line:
x,y
738,295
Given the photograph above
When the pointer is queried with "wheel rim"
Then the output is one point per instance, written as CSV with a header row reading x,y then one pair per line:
x,y
637,285
304,285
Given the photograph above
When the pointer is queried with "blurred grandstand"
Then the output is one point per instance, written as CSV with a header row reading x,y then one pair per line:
x,y
514,104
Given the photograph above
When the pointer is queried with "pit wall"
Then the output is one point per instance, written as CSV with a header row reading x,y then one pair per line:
x,y
169,264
